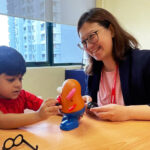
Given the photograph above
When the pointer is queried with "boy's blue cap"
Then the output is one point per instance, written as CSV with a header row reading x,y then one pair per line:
x,y
11,61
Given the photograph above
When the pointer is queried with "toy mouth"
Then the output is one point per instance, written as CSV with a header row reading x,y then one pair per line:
x,y
72,107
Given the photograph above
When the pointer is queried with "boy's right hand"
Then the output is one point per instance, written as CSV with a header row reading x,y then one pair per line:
x,y
49,108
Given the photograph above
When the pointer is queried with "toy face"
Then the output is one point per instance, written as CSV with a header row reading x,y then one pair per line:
x,y
71,99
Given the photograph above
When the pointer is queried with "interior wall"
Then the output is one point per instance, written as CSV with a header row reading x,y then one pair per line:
x,y
43,81
134,16
99,3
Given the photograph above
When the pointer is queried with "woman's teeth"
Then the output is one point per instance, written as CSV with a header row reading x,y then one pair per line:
x,y
94,51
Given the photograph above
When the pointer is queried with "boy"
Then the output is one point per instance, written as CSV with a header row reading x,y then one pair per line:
x,y
13,99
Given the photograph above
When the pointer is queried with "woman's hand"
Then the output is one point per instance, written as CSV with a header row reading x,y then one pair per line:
x,y
49,108
87,98
111,112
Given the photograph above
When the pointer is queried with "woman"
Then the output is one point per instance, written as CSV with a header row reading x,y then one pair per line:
x,y
118,72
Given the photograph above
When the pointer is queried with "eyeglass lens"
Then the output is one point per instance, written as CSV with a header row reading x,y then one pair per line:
x,y
92,38
18,140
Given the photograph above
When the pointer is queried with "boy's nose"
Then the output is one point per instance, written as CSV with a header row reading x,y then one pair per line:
x,y
18,84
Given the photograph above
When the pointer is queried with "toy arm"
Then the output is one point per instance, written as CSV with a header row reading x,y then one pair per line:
x,y
59,99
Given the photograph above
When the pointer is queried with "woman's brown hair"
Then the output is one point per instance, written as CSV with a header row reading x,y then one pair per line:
x,y
122,40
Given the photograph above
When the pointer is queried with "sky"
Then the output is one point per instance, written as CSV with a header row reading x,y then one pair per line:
x,y
4,39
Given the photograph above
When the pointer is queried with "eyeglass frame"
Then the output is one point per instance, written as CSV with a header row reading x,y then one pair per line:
x,y
13,143
87,40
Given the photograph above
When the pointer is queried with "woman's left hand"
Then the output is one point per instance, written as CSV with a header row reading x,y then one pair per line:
x,y
111,112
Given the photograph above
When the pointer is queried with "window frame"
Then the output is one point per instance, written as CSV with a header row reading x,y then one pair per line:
x,y
50,51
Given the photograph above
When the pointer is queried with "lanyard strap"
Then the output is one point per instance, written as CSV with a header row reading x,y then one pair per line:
x,y
113,92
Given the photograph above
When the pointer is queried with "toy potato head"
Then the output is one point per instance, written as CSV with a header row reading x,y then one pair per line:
x,y
73,105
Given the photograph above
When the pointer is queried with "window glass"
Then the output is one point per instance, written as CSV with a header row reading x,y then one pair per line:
x,y
65,39
25,36
31,39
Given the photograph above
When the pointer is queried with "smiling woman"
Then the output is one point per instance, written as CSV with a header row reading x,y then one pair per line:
x,y
113,61
100,39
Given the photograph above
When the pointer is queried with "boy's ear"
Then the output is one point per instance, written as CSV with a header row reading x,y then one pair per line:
x,y
112,30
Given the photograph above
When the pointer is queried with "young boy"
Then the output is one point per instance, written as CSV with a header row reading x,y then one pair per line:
x,y
13,99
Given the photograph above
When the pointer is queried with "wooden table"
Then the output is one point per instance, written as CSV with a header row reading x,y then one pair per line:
x,y
92,134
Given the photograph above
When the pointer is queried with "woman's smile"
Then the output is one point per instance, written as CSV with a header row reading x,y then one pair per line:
x,y
96,50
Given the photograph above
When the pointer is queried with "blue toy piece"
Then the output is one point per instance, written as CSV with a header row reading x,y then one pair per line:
x,y
73,105
71,121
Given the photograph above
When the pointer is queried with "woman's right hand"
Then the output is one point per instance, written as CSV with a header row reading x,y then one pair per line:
x,y
87,98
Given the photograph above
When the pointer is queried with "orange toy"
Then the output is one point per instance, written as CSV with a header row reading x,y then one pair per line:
x,y
72,104
71,99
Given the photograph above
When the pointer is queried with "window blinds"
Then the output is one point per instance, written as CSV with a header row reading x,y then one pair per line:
x,y
58,11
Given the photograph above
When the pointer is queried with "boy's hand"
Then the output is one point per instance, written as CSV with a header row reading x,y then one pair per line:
x,y
49,108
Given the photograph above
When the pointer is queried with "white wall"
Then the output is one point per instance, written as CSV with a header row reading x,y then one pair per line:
x,y
43,81
134,16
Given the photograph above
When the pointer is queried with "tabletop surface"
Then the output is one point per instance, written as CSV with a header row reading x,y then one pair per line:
x,y
92,134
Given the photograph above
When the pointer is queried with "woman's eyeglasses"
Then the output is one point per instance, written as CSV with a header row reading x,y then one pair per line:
x,y
92,38
18,140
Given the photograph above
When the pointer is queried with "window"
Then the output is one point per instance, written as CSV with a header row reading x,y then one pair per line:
x,y
43,37
65,41
42,26
41,43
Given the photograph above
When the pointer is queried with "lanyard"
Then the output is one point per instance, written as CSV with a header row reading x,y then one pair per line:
x,y
113,92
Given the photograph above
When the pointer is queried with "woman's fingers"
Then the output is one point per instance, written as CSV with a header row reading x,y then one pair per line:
x,y
112,112
104,108
99,109
87,98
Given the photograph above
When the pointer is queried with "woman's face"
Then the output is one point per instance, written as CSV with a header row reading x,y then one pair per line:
x,y
97,41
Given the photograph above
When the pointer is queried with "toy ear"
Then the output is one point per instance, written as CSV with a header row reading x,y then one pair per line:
x,y
71,93
59,90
